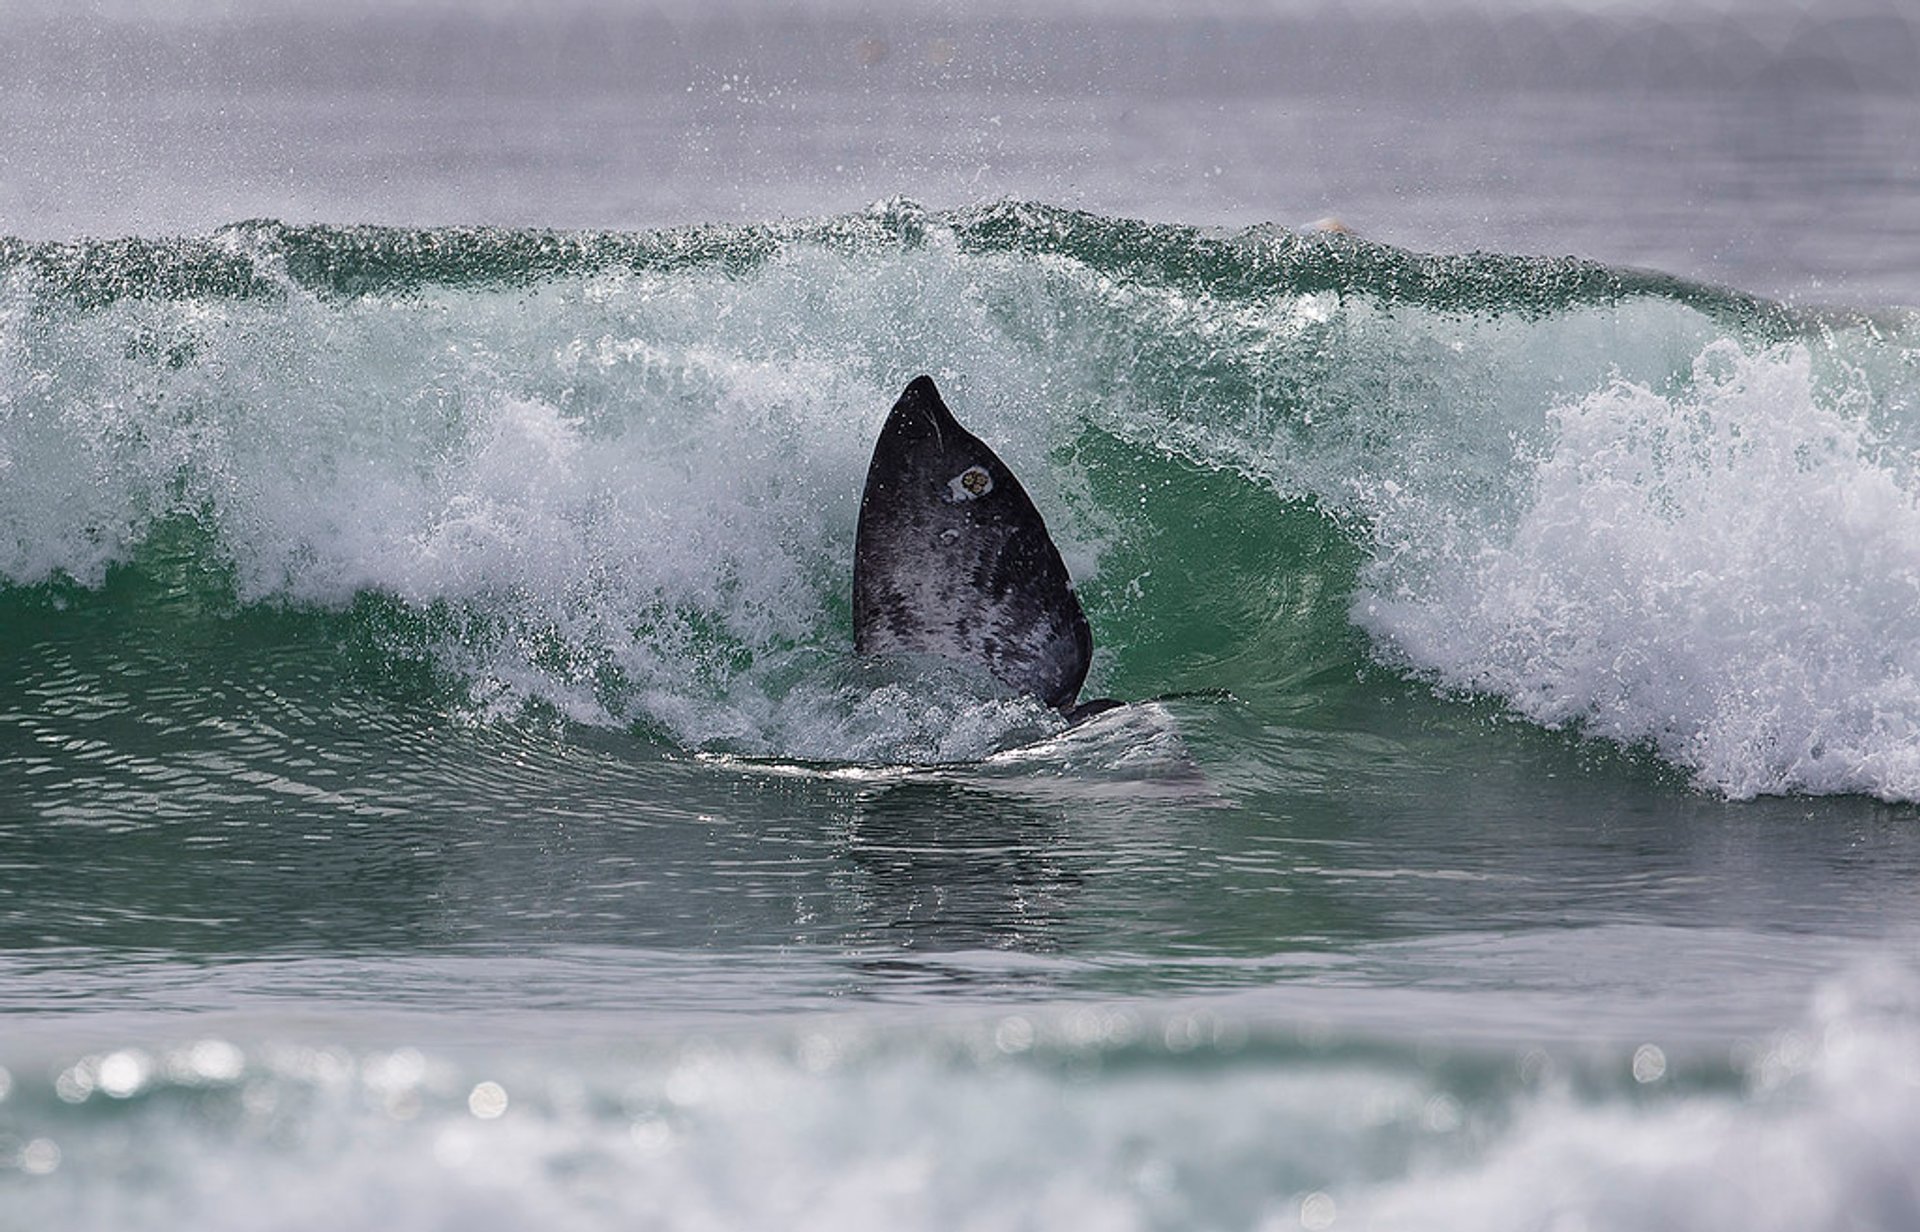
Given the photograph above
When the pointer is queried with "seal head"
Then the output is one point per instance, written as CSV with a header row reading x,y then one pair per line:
x,y
952,559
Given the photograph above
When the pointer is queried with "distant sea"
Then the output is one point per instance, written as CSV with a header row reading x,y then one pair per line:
x,y
437,789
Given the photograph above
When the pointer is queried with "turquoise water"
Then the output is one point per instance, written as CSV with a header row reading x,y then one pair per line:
x,y
436,788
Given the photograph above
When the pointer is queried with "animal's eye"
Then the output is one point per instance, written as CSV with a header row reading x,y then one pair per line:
x,y
970,483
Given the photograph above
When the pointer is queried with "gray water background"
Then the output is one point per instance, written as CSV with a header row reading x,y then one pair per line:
x,y
1773,145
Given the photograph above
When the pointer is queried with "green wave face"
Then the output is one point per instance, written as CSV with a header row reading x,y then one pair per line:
x,y
478,474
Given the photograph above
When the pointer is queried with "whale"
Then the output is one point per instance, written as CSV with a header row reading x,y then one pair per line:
x,y
951,559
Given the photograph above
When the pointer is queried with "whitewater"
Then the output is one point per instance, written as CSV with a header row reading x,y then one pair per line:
x,y
1639,509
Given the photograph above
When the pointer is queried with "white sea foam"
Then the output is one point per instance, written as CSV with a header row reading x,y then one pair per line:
x,y
1821,1138
632,495
1085,1115
1727,569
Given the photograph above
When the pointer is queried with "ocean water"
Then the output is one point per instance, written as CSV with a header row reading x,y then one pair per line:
x,y
437,789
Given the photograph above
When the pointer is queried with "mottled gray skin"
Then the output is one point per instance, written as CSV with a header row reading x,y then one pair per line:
x,y
947,563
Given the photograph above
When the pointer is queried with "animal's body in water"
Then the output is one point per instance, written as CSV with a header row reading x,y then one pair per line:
x,y
952,559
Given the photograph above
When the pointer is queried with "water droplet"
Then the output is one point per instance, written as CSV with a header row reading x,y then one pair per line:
x,y
487,1101
1317,1211
40,1157
1014,1034
122,1074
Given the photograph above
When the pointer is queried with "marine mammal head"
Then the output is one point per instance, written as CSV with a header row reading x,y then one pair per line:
x,y
918,431
952,559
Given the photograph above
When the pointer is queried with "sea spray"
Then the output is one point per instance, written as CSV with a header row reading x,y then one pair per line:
x,y
614,477
1728,570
